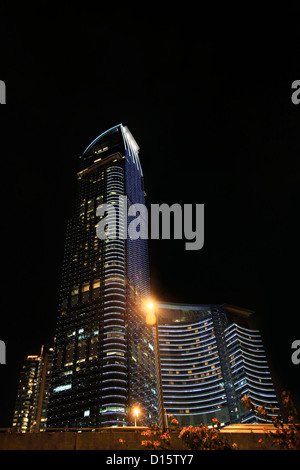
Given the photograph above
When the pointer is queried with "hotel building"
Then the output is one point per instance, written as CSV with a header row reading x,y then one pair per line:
x,y
208,362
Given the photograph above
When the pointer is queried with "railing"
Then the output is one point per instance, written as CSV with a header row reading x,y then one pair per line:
x,y
103,429
232,428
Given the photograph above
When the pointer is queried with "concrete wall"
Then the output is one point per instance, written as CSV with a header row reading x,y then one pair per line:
x,y
245,438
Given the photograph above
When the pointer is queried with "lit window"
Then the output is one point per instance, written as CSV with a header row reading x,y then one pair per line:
x,y
75,291
61,388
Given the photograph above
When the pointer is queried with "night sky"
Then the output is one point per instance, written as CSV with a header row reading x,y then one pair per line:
x,y
207,96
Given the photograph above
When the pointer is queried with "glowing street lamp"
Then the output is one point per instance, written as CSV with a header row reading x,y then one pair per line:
x,y
150,314
136,412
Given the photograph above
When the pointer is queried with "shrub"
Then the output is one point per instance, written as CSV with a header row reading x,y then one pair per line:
x,y
287,435
194,438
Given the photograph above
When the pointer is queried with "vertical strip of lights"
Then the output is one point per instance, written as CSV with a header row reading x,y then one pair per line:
x,y
141,364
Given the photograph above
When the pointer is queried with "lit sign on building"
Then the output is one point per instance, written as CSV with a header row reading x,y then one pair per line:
x,y
2,353
2,92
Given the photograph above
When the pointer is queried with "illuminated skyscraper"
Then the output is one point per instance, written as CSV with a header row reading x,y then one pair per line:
x,y
104,349
209,362
32,399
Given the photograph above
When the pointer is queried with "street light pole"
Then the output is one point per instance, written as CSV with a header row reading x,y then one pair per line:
x,y
136,413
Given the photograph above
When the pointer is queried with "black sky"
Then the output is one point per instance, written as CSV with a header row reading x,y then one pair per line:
x,y
208,99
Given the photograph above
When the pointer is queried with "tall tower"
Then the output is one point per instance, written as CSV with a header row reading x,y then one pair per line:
x,y
30,414
104,350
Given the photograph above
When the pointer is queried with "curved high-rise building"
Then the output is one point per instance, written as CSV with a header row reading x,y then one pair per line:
x,y
194,388
208,362
104,350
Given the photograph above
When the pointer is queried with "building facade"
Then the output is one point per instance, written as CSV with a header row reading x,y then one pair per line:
x,y
104,349
208,364
33,390
250,371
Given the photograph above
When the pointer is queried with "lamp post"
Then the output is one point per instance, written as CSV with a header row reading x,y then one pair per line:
x,y
154,319
136,412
